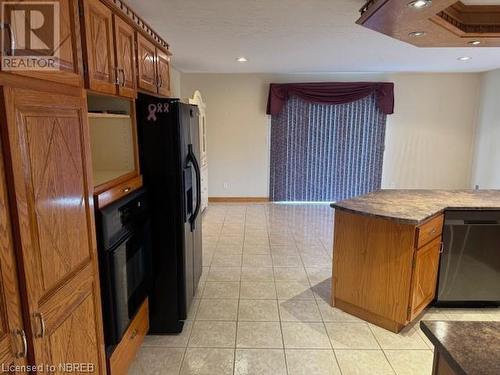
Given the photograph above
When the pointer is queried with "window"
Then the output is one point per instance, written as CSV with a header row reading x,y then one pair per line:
x,y
324,153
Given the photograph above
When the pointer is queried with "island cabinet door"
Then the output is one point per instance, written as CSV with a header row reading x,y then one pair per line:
x,y
424,278
99,47
48,144
13,343
146,65
125,58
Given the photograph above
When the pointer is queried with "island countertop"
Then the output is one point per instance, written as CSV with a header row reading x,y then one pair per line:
x,y
415,206
468,347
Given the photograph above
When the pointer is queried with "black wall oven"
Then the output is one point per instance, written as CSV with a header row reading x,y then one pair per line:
x,y
125,262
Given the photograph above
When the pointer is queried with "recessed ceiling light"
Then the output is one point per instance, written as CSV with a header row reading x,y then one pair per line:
x,y
419,4
241,59
475,43
417,33
464,58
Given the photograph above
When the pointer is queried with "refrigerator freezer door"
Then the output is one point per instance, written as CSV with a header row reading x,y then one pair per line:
x,y
197,199
194,125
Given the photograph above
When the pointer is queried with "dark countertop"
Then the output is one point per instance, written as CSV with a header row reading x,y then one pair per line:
x,y
471,348
415,206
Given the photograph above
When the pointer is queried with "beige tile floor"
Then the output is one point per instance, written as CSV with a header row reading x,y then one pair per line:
x,y
262,306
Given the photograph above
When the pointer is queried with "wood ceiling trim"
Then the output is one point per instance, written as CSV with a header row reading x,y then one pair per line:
x,y
447,23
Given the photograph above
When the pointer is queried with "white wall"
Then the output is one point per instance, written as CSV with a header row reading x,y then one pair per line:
x,y
429,141
486,172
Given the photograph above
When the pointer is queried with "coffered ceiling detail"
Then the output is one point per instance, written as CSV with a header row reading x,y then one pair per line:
x,y
436,23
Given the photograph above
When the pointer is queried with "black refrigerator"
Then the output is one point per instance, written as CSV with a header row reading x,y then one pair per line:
x,y
168,134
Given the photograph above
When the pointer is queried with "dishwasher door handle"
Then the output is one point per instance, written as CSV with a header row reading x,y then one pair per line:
x,y
454,222
481,222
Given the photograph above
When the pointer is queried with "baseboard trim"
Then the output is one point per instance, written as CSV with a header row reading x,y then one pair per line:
x,y
238,199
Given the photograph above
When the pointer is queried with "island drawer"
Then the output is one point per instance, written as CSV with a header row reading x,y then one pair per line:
x,y
429,230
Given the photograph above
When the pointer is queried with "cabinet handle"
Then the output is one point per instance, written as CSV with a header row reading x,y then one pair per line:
x,y
122,71
160,82
42,326
117,76
441,249
432,231
126,190
12,41
24,350
134,334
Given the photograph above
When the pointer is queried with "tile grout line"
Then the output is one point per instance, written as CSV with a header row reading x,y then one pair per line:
x,y
202,292
276,291
239,295
383,351
322,320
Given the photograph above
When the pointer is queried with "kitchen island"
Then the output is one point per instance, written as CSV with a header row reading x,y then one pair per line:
x,y
387,247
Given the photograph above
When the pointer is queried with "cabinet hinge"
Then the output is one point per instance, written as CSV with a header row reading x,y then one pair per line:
x,y
409,311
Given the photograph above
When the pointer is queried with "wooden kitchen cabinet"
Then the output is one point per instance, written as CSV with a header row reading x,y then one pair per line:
x,y
69,62
110,51
384,271
146,64
48,148
13,341
425,274
50,303
153,66
125,58
163,67
99,47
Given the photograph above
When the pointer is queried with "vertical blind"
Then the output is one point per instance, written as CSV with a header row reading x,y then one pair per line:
x,y
326,153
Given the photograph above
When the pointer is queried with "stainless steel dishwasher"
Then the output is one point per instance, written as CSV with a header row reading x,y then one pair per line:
x,y
469,271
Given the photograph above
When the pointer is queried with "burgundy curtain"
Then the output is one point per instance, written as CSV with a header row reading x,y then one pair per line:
x,y
331,93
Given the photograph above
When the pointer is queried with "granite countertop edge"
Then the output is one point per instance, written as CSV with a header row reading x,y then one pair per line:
x,y
442,349
415,207
403,220
396,219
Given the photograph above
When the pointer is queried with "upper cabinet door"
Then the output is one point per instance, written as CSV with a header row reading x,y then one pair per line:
x,y
13,344
100,51
70,61
146,65
125,58
163,66
49,151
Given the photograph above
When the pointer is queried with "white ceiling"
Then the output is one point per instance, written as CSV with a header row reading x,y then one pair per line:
x,y
293,36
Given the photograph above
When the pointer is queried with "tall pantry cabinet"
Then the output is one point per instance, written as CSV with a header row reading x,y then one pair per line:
x,y
46,141
13,341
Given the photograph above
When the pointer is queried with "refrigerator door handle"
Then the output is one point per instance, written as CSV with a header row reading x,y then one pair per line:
x,y
192,159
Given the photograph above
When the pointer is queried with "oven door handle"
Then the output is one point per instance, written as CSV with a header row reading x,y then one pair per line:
x,y
192,159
